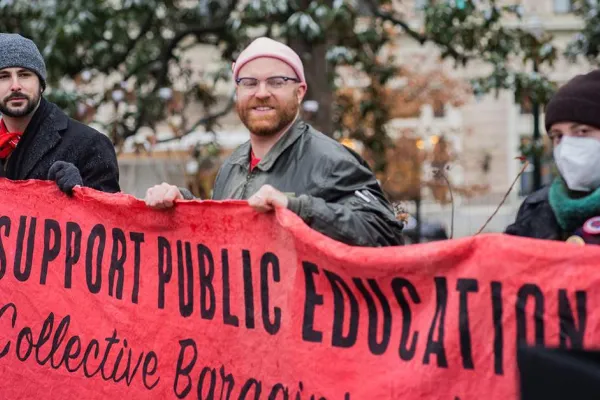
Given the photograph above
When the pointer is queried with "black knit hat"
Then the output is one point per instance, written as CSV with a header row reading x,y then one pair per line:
x,y
577,101
17,51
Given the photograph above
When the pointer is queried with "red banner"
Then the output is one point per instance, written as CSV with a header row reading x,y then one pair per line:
x,y
103,298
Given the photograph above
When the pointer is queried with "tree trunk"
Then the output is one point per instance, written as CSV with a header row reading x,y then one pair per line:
x,y
318,77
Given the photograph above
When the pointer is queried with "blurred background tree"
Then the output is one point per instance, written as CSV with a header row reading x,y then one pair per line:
x,y
135,47
587,43
129,56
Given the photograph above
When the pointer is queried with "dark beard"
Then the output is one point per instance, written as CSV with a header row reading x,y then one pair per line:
x,y
31,106
285,116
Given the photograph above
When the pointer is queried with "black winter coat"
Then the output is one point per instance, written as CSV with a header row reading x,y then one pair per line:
x,y
52,136
536,218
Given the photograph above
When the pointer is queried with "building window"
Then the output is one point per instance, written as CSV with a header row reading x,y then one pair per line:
x,y
439,109
526,106
548,169
563,6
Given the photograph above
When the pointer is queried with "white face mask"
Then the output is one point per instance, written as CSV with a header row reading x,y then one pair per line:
x,y
578,160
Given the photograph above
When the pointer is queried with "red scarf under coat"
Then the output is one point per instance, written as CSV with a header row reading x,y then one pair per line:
x,y
8,140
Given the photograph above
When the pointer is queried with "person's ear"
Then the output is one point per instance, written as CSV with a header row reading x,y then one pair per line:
x,y
300,93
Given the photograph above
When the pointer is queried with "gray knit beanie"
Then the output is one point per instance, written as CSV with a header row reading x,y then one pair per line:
x,y
17,51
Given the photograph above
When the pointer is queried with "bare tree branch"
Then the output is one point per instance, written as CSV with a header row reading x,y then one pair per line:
x,y
421,38
207,120
218,26
525,165
441,173
145,28
167,54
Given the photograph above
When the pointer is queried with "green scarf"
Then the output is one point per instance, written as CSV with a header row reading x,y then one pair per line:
x,y
572,211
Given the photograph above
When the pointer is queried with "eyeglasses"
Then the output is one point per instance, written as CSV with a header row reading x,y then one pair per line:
x,y
272,83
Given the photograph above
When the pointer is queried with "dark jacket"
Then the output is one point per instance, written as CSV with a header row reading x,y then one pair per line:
x,y
52,136
331,188
536,219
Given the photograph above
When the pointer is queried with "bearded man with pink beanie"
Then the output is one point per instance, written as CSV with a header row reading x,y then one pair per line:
x,y
287,163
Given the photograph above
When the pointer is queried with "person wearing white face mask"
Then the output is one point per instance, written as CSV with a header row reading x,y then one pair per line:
x,y
569,208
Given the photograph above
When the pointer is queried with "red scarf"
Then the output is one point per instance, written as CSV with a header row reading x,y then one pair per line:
x,y
8,140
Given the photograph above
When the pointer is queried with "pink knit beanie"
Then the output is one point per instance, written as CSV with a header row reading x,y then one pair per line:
x,y
265,47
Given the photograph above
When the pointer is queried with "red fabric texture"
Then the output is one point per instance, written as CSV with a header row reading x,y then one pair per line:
x,y
8,140
260,303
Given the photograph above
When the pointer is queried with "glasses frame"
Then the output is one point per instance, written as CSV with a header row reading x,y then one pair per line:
x,y
286,79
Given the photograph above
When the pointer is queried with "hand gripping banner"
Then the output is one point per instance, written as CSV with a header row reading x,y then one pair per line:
x,y
104,298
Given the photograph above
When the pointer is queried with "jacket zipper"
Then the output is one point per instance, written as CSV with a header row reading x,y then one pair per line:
x,y
248,178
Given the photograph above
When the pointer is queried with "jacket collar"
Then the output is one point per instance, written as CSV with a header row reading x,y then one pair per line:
x,y
538,196
242,155
46,137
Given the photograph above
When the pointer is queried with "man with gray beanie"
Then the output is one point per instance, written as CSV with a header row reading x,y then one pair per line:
x,y
37,139
569,208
